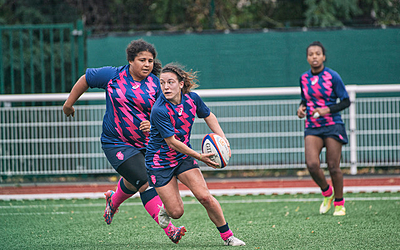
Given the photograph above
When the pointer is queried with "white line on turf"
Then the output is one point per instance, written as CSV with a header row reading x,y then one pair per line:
x,y
185,202
215,192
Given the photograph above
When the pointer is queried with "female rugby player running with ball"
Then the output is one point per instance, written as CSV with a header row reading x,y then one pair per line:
x,y
169,156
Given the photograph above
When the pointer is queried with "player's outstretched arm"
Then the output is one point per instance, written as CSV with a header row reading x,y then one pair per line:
x,y
184,149
213,124
79,88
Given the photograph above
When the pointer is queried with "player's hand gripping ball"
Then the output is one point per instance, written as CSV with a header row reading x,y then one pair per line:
x,y
213,143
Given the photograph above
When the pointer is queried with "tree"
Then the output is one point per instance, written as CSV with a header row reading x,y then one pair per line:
x,y
380,12
186,15
330,13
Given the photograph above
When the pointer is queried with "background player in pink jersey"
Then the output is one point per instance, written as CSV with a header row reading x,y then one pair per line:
x,y
131,91
169,155
324,127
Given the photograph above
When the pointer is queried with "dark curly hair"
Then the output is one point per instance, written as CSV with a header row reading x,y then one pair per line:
x,y
140,45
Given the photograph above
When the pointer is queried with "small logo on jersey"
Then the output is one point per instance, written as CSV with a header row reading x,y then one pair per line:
x,y
135,86
153,179
314,81
120,156
179,109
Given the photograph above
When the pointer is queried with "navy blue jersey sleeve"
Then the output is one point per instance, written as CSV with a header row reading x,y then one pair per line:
x,y
338,86
162,121
157,81
99,77
202,110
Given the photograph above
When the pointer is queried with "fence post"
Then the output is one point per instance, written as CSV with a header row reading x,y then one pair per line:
x,y
353,137
81,47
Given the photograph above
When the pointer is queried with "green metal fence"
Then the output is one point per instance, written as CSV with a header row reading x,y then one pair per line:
x,y
264,134
41,58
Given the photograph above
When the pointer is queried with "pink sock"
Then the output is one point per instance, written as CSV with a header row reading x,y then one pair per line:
x,y
328,192
119,196
338,203
153,207
226,235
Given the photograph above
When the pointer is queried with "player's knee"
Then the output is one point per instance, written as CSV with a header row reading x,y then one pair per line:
x,y
205,200
313,166
176,213
333,168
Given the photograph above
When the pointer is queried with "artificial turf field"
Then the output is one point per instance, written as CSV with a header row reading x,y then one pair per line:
x,y
263,222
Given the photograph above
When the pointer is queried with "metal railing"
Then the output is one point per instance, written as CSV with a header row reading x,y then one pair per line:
x,y
264,134
44,58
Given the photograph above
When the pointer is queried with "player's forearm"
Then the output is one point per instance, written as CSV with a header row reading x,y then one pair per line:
x,y
213,124
181,147
345,103
79,88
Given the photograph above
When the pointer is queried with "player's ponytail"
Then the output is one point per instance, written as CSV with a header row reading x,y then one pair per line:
x,y
189,78
156,67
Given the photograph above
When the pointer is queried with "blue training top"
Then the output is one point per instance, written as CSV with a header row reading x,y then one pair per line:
x,y
128,103
321,91
169,120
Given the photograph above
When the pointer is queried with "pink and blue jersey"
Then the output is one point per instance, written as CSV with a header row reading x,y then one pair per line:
x,y
321,91
169,120
128,103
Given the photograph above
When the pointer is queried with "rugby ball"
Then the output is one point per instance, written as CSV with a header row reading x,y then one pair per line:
x,y
213,143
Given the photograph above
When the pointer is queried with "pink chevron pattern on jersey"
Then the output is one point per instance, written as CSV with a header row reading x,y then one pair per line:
x,y
171,157
172,153
316,87
139,102
128,103
327,83
117,121
322,91
171,115
186,124
193,107
186,127
124,102
156,160
317,94
304,82
184,119
151,89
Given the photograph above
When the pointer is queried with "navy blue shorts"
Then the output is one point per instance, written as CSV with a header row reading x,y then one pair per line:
x,y
337,132
118,155
162,176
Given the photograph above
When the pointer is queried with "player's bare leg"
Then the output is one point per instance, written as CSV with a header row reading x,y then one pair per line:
x,y
333,154
194,180
313,148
